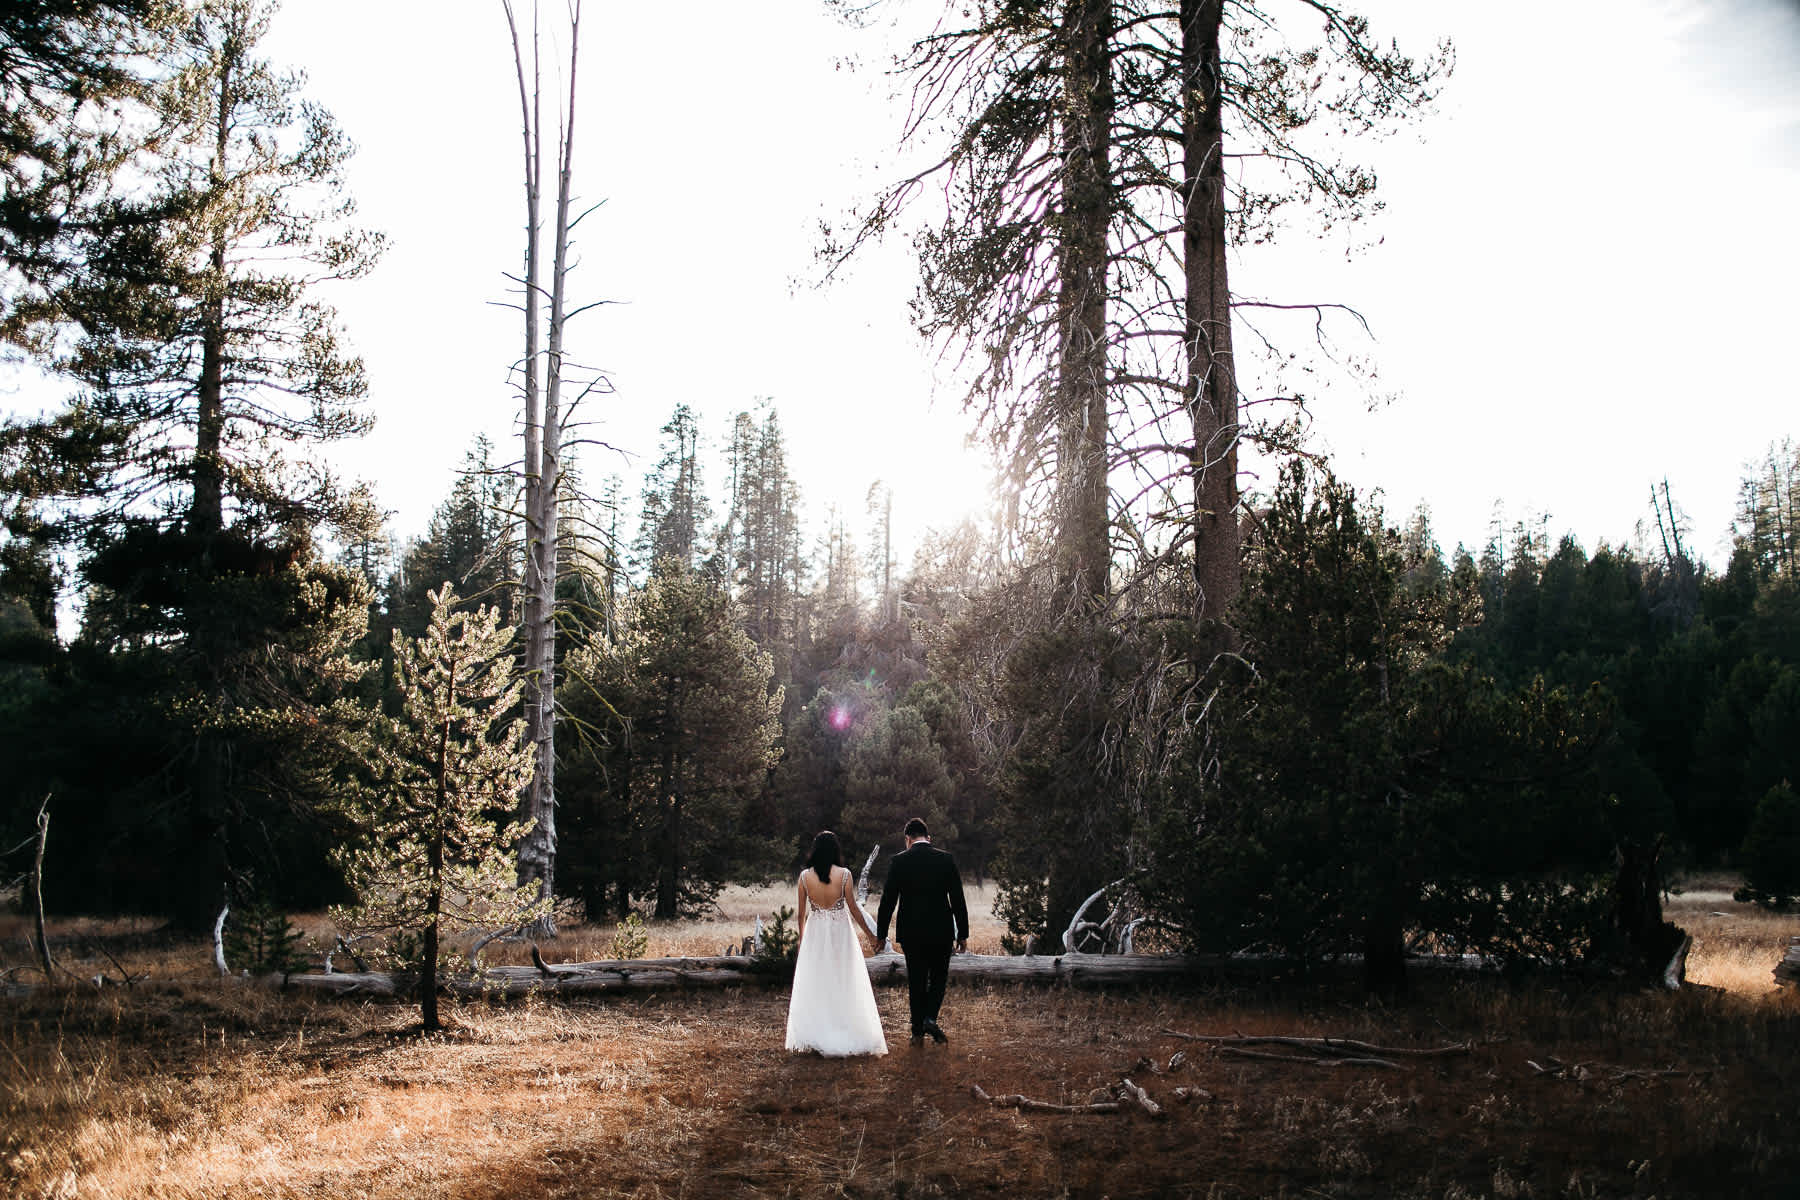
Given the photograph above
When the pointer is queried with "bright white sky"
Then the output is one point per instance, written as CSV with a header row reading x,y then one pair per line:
x,y
1585,281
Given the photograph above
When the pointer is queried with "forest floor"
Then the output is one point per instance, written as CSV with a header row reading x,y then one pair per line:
x,y
181,1085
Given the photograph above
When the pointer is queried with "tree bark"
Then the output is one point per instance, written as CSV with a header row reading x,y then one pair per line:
x,y
206,510
1211,383
1083,495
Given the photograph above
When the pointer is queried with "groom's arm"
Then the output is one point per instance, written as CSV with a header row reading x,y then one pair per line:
x,y
957,905
890,893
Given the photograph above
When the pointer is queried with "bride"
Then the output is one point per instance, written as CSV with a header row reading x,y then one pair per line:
x,y
832,1010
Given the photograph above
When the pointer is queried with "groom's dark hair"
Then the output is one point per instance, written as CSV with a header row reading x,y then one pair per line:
x,y
915,828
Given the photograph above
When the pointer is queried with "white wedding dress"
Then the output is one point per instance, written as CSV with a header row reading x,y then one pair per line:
x,y
832,1010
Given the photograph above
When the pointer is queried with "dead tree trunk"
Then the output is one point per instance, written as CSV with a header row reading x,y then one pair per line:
x,y
37,891
544,422
219,964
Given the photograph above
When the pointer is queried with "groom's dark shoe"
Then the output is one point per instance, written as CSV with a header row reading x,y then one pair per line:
x,y
937,1035
918,1039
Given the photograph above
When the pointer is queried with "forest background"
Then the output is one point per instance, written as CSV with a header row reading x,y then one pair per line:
x,y
199,611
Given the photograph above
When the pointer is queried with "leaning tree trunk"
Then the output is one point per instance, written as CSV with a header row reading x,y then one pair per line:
x,y
1211,384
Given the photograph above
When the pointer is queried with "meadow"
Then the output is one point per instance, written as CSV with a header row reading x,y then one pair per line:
x,y
179,1084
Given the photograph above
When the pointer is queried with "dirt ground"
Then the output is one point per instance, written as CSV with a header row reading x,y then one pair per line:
x,y
183,1086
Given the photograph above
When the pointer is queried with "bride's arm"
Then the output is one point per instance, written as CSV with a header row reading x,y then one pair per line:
x,y
862,918
800,907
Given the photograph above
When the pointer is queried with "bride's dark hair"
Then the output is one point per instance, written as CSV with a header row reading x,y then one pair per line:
x,y
825,855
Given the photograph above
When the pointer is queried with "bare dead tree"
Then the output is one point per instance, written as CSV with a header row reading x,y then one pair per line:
x,y
37,890
543,376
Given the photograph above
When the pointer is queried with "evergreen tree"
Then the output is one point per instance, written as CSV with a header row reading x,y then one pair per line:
x,y
760,541
681,723
1771,849
431,859
78,240
1366,794
1768,516
894,771
468,543
675,509
181,469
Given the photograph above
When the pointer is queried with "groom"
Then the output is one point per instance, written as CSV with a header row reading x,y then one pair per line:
x,y
923,881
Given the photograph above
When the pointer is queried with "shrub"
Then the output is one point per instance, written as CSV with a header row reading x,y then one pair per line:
x,y
1772,849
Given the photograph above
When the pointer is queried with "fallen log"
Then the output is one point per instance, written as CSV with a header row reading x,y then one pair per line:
x,y
512,983
726,970
650,974
1787,971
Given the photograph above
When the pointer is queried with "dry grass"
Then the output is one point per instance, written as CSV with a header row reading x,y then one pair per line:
x,y
184,1086
1736,946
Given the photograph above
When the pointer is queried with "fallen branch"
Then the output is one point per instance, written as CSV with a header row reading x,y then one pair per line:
x,y
510,933
1027,1104
124,975
537,960
1242,1052
348,947
1323,1045
1582,1072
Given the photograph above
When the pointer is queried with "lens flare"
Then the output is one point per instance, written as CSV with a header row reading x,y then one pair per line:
x,y
840,717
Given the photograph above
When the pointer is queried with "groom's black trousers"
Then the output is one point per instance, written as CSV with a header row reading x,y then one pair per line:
x,y
927,971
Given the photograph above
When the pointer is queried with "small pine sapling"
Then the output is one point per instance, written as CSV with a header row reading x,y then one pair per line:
x,y
260,939
780,943
630,940
433,858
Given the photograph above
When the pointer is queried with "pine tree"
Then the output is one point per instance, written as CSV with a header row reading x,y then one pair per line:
x,y
674,501
682,723
431,859
1367,792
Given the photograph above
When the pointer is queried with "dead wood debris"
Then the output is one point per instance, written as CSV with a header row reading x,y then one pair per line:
x,y
1583,1072
1306,1061
1027,1104
1320,1051
1140,1097
1122,1096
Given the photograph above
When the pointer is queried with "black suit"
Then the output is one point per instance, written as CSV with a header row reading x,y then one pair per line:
x,y
924,883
